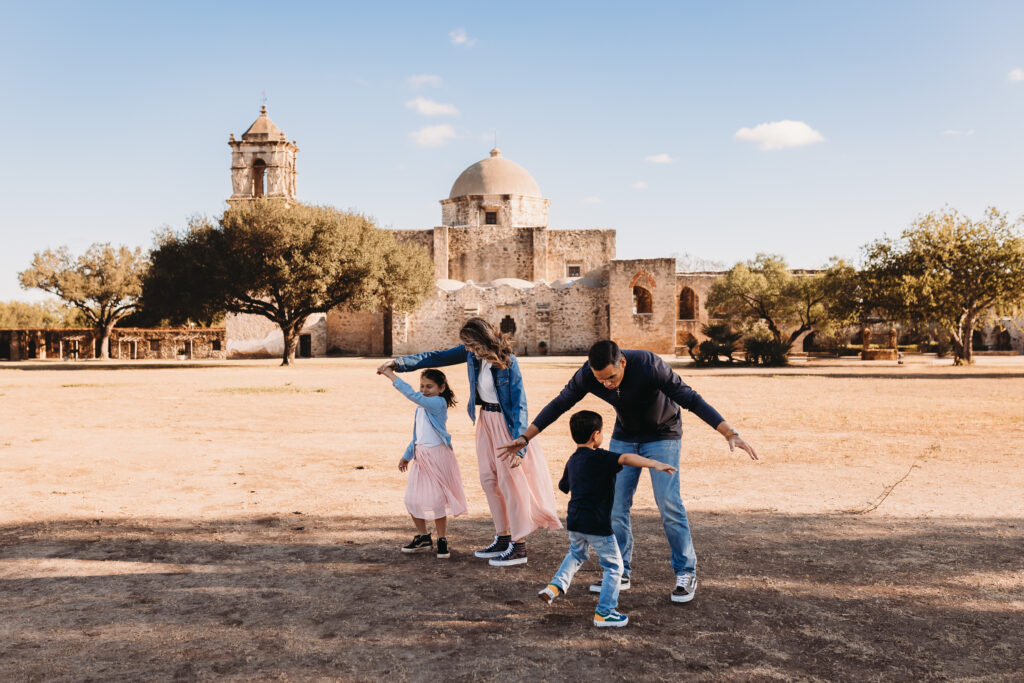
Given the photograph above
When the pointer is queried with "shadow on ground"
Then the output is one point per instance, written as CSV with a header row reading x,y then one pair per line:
x,y
829,597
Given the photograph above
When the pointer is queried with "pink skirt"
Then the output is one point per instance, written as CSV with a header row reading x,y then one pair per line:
x,y
435,485
521,499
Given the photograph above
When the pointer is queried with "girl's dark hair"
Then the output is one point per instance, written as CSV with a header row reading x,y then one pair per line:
x,y
496,346
438,378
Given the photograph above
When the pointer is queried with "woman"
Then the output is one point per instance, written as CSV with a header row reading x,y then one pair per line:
x,y
518,489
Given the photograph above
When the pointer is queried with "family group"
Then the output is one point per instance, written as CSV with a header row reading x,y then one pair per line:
x,y
647,396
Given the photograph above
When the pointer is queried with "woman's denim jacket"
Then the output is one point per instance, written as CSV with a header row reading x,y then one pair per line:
x,y
507,381
436,409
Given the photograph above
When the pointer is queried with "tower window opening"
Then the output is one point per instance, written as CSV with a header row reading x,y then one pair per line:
x,y
642,300
573,269
259,177
491,218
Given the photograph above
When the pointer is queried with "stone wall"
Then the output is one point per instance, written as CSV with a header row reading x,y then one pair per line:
x,y
128,343
654,331
513,211
358,333
592,249
490,252
254,336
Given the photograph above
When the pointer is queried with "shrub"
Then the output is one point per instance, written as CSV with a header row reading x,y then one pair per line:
x,y
768,352
721,341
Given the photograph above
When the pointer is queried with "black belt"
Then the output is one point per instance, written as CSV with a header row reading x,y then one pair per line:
x,y
489,407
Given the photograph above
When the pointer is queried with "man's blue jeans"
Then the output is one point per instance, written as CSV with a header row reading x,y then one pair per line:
x,y
666,495
607,550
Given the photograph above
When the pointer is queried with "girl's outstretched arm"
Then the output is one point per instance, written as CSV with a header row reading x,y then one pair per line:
x,y
432,404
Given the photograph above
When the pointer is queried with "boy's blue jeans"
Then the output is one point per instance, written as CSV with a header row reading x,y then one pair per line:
x,y
666,495
607,550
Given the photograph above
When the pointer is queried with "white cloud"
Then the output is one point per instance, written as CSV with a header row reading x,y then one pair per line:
x,y
459,37
958,132
424,80
639,185
433,136
1016,75
659,158
592,200
780,134
426,107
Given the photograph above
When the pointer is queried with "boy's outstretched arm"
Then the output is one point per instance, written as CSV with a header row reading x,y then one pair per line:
x,y
635,460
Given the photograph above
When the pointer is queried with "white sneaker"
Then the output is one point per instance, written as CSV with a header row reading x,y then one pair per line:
x,y
686,588
623,585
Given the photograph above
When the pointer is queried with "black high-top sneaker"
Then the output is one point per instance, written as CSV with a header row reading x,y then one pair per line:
x,y
420,543
442,549
500,545
516,554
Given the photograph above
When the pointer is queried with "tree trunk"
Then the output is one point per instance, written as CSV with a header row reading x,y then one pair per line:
x,y
104,347
291,342
967,346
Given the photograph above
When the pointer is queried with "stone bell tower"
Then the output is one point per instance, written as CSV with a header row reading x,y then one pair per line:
x,y
262,162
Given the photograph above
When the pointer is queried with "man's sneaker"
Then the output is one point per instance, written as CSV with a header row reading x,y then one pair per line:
x,y
516,554
613,618
686,587
419,544
550,592
500,545
442,549
623,585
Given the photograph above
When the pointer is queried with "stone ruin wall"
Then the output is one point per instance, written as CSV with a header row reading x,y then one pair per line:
x,y
489,253
514,211
591,248
653,331
149,343
700,283
359,333
568,320
254,336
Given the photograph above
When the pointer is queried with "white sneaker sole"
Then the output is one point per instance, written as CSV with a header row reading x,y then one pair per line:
x,y
485,556
683,598
507,563
443,557
611,624
418,550
596,587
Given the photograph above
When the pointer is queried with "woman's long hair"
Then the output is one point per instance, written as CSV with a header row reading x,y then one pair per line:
x,y
438,378
494,346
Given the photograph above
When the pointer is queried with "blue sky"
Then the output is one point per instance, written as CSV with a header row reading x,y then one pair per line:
x,y
630,116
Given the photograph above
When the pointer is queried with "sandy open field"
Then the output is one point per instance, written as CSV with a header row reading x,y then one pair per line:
x,y
242,521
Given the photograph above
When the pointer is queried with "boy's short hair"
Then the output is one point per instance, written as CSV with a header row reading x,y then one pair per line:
x,y
604,353
583,424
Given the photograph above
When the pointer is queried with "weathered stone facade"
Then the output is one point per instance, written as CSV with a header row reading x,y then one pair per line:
x,y
125,344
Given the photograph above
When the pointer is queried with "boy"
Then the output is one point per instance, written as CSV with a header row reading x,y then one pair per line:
x,y
590,477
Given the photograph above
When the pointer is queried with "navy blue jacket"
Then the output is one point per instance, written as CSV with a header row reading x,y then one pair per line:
x,y
646,403
508,382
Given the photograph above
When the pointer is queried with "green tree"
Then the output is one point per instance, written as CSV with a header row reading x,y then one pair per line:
x,y
766,290
104,283
283,262
40,314
953,271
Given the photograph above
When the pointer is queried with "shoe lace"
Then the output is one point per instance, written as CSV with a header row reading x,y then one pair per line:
x,y
683,581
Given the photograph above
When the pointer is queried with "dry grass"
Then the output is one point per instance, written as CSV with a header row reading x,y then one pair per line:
x,y
241,520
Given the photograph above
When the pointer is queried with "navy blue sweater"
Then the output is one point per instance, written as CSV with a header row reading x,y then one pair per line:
x,y
646,402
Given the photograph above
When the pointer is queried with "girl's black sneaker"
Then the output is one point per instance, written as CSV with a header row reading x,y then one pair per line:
x,y
442,549
419,544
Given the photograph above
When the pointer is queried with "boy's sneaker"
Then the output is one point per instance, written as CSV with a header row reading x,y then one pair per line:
x,y
516,554
613,618
623,585
500,545
550,592
442,549
686,587
420,543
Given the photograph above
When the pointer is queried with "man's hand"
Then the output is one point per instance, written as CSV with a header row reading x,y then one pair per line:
x,y
667,469
736,442
403,464
390,365
510,449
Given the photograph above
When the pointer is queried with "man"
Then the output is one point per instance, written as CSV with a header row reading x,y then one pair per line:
x,y
646,395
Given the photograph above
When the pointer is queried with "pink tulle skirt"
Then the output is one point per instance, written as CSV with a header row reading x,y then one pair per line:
x,y
435,485
521,499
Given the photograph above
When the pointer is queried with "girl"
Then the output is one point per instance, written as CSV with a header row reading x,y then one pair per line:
x,y
434,490
518,490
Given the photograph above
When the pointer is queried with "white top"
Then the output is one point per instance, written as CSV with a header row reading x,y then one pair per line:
x,y
426,435
485,383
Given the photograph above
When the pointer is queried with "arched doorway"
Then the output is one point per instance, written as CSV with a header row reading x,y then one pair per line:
x,y
259,177
508,326
689,304
643,302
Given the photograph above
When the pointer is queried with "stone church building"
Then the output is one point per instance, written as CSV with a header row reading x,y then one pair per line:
x,y
553,291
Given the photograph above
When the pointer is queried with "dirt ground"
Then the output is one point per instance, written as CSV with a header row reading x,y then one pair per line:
x,y
242,521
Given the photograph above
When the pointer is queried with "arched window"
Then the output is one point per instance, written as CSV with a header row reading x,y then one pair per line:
x,y
643,302
688,304
810,342
508,325
259,177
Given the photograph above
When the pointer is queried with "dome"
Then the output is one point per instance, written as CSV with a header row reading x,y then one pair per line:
x,y
495,175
